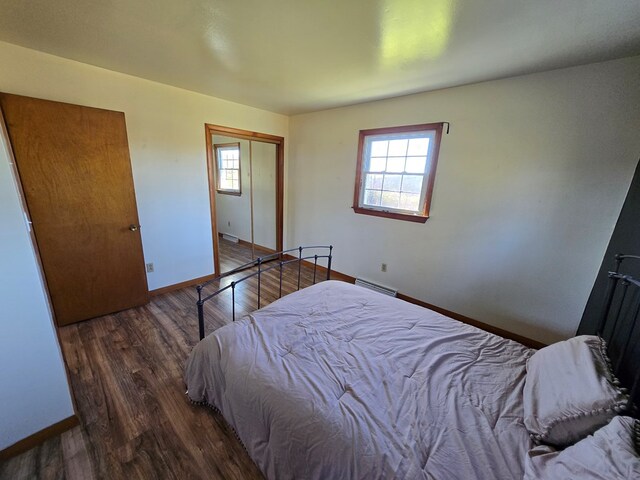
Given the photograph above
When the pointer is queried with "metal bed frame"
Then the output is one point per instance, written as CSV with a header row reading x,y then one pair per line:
x,y
281,260
618,327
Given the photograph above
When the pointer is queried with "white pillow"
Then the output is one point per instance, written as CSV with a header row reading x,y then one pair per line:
x,y
608,454
570,391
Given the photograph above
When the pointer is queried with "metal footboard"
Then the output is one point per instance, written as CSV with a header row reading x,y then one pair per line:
x,y
264,264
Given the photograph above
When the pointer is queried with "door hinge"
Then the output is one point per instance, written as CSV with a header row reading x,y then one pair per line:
x,y
28,222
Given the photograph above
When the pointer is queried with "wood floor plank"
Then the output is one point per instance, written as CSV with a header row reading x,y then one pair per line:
x,y
126,372
75,451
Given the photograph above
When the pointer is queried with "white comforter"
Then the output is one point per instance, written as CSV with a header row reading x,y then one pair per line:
x,y
339,382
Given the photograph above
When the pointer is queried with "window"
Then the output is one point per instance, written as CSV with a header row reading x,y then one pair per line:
x,y
228,166
396,170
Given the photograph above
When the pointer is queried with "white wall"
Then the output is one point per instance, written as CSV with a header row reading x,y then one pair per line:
x,y
34,392
233,212
166,138
528,188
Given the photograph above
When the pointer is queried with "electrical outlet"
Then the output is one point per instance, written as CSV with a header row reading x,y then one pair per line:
x,y
149,267
383,267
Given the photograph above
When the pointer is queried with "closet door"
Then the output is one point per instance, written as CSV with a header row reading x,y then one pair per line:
x,y
75,171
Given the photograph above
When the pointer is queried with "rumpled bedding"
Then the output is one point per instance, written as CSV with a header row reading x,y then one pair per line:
x,y
339,382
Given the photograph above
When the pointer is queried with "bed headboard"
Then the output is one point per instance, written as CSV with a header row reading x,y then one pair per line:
x,y
618,325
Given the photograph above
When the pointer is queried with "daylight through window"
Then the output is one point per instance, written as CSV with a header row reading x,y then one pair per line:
x,y
396,169
228,162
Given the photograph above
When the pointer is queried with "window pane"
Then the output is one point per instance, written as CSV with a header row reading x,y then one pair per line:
x,y
416,164
395,164
377,164
396,169
372,197
374,181
412,183
410,201
228,174
235,164
392,183
379,148
390,199
418,146
397,148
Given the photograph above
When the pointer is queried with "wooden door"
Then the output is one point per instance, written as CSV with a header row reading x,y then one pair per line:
x,y
75,171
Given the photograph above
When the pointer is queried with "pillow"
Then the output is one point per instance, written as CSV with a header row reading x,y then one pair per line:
x,y
570,391
608,454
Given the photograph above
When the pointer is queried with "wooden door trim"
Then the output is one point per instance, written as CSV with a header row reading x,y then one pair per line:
x,y
211,130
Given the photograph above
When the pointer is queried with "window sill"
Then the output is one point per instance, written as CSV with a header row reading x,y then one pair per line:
x,y
226,192
396,216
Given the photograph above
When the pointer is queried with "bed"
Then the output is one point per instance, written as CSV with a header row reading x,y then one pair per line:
x,y
337,381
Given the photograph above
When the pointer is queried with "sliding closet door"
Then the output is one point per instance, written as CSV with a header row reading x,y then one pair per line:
x,y
263,184
75,171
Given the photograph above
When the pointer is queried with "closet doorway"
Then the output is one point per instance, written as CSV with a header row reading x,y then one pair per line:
x,y
246,182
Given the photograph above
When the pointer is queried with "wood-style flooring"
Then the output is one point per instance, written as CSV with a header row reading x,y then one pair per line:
x,y
126,373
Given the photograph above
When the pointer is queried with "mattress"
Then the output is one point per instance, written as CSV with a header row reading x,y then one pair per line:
x,y
339,382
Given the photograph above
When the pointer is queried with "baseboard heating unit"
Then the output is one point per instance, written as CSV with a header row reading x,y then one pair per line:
x,y
376,288
231,238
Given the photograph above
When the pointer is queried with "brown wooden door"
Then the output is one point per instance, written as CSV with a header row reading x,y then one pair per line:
x,y
75,171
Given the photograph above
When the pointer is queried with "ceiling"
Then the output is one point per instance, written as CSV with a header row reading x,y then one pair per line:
x,y
293,56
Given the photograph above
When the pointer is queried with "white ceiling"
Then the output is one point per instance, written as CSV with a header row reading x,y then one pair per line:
x,y
293,56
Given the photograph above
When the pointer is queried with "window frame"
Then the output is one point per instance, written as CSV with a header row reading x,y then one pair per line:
x,y
429,178
216,148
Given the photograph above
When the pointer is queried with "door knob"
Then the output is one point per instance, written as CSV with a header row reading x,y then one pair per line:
x,y
134,228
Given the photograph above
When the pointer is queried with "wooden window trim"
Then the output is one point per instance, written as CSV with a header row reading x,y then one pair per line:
x,y
216,147
424,214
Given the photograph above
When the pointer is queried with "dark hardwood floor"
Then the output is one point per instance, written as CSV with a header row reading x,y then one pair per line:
x,y
126,372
